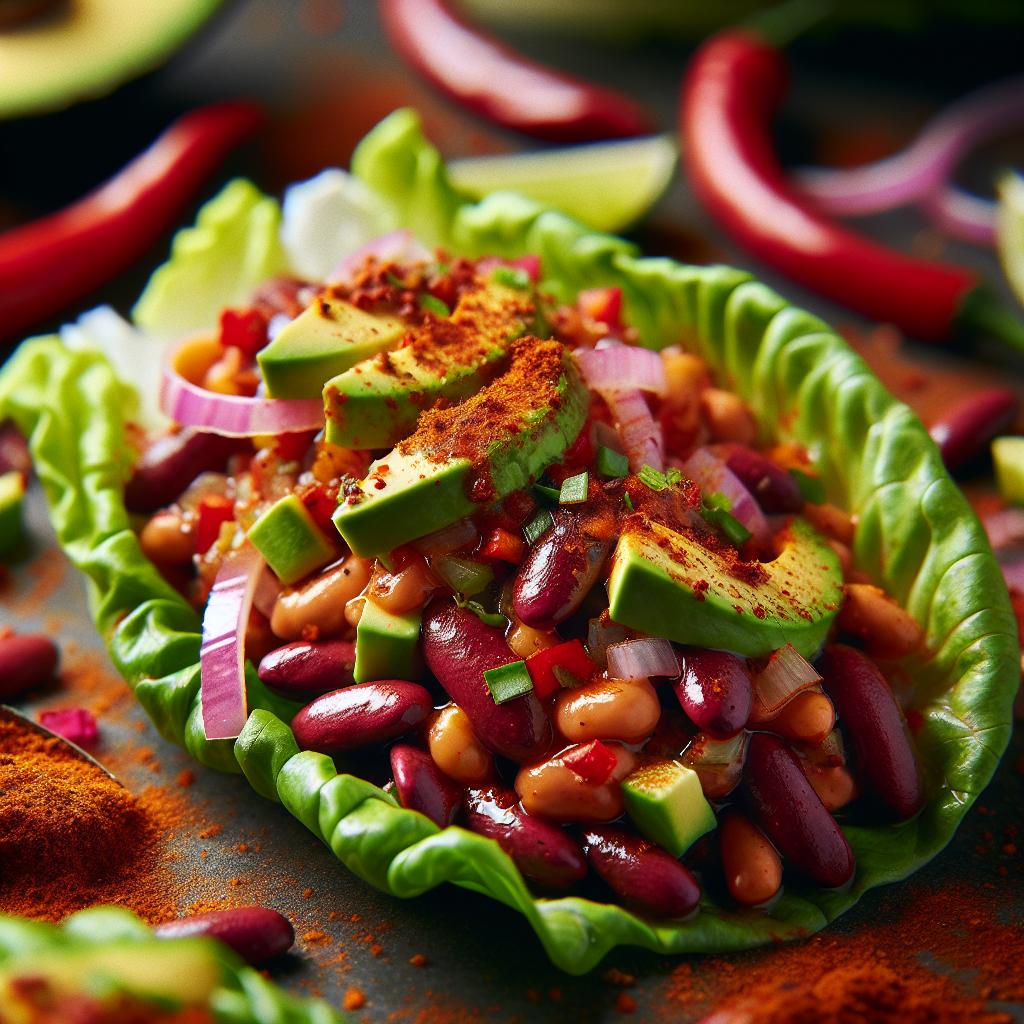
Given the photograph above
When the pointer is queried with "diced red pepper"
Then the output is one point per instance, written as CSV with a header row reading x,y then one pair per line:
x,y
320,501
530,263
292,447
603,305
581,452
243,328
504,546
211,513
593,762
570,656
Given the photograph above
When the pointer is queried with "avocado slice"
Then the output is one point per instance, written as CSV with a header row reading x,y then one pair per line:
x,y
325,339
287,536
668,584
376,403
387,646
494,443
668,806
12,530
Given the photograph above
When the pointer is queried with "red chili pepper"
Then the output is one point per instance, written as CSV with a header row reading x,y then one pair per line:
x,y
489,78
59,258
211,513
505,546
732,89
593,763
570,656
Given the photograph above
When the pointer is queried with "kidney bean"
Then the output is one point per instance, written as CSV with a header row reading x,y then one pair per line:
x,y
25,661
544,853
773,488
727,416
789,812
833,783
167,539
715,691
456,749
965,431
753,870
806,719
321,602
304,670
360,716
422,786
873,723
14,454
558,573
553,790
832,521
458,649
608,709
645,876
172,462
868,612
256,934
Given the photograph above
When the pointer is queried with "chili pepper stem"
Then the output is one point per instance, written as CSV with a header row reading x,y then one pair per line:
x,y
983,312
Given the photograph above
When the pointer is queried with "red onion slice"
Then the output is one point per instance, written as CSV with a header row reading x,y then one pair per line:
x,y
786,674
713,475
642,659
623,368
222,655
394,247
459,535
641,435
709,753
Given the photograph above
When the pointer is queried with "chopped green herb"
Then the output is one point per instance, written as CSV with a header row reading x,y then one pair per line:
x,y
511,277
538,526
395,280
508,681
734,530
811,487
611,463
653,478
547,495
718,500
574,489
674,476
486,617
433,304
463,575
629,501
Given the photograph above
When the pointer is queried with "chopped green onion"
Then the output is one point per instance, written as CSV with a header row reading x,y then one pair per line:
x,y
811,487
574,489
538,526
674,476
508,681
734,530
548,495
486,617
717,500
395,280
511,277
434,305
611,463
629,501
463,575
652,478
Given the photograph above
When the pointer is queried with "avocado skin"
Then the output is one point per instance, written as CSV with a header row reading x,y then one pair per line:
x,y
650,590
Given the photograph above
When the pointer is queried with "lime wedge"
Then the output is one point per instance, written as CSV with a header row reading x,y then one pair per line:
x,y
606,185
1010,230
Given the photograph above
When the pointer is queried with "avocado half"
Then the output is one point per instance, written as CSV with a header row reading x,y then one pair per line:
x,y
84,49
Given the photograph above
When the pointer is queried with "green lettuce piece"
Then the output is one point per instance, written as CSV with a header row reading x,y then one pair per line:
x,y
916,536
242,995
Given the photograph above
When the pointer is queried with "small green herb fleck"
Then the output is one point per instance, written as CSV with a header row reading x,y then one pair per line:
x,y
734,530
511,277
463,575
717,500
674,476
538,526
629,501
574,489
395,280
811,487
486,617
434,305
653,478
547,495
611,463
508,681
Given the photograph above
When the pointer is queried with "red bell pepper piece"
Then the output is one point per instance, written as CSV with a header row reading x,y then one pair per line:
x,y
291,447
733,85
59,258
487,77
570,656
505,546
603,305
243,328
320,501
211,513
593,762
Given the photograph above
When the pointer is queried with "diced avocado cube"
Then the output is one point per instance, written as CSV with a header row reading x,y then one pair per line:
x,y
1008,456
668,806
12,528
324,340
290,541
670,585
387,646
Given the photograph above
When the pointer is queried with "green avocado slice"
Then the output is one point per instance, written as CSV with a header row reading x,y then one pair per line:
x,y
492,444
376,403
667,805
668,584
288,538
387,645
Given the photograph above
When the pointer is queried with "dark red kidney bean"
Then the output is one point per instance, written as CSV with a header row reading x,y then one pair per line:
x,y
458,649
543,852
13,451
791,814
172,462
25,661
871,719
773,488
645,876
304,670
422,786
361,716
256,934
557,573
715,691
965,431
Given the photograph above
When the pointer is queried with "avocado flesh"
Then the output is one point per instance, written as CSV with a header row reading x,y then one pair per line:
x,y
387,645
12,530
290,541
325,339
669,585
377,402
409,493
668,806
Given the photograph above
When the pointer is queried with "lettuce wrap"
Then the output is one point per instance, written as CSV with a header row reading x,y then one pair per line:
x,y
916,537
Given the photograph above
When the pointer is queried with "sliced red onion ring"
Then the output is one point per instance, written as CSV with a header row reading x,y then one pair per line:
x,y
451,538
962,215
642,659
222,655
394,247
786,674
266,592
623,368
529,264
1004,527
713,475
641,435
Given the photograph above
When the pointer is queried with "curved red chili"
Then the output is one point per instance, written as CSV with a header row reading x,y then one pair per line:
x,y
50,262
733,86
489,78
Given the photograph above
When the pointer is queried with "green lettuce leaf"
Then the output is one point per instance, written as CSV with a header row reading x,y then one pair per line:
x,y
916,536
